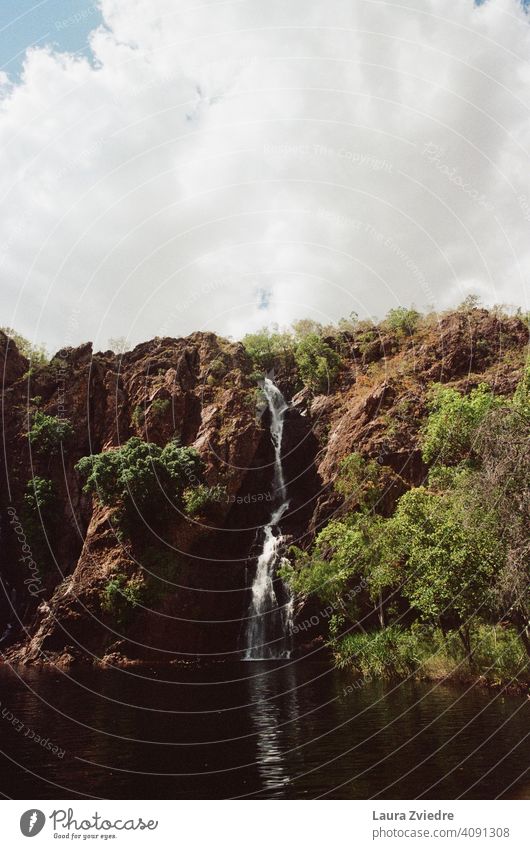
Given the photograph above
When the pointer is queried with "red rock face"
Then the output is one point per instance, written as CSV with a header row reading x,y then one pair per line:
x,y
200,389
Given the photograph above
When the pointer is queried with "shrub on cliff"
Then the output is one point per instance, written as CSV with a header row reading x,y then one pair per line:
x,y
268,348
451,430
141,476
402,321
317,363
199,498
48,434
36,354
120,596
39,518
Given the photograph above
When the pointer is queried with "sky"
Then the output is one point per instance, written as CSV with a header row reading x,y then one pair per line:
x,y
174,165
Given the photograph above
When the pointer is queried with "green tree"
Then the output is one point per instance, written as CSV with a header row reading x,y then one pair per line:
x,y
37,354
452,426
141,475
49,434
268,348
359,480
449,551
317,363
402,320
306,327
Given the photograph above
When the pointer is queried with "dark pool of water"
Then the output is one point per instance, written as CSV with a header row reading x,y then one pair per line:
x,y
256,730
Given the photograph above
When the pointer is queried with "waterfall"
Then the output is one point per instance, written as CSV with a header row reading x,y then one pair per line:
x,y
269,622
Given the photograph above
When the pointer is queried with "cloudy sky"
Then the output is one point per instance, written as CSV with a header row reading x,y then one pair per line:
x,y
173,165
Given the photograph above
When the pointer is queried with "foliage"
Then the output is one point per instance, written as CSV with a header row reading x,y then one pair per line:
x,y
49,434
339,566
317,363
449,552
121,595
402,321
141,476
452,561
397,652
137,416
39,519
451,430
359,480
199,498
159,406
267,348
392,652
306,327
40,495
36,354
470,302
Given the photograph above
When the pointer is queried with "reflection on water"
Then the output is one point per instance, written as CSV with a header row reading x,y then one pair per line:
x,y
273,715
255,730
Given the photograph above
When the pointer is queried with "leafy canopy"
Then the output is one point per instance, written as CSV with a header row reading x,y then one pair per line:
x,y
48,434
402,320
449,551
451,430
37,354
141,474
317,362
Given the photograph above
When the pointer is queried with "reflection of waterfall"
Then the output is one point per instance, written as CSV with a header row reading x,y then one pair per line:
x,y
273,697
270,624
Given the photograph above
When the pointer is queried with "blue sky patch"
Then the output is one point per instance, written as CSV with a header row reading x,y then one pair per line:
x,y
63,25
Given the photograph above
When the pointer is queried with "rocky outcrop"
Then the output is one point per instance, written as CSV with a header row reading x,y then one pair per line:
x,y
201,390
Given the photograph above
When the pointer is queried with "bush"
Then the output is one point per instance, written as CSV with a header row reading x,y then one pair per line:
x,y
198,499
499,654
36,354
317,363
159,407
137,417
39,519
268,348
392,652
48,434
40,495
452,427
307,327
120,596
402,321
359,480
140,475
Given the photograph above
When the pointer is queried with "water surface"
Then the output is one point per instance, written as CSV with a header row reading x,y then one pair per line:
x,y
256,730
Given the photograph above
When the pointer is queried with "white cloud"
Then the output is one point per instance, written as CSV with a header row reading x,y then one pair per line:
x,y
224,165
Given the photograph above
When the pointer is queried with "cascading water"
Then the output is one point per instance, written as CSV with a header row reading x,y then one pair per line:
x,y
270,623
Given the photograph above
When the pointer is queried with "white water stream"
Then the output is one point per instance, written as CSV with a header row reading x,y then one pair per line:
x,y
270,624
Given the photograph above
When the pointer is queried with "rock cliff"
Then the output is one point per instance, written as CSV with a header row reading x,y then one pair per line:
x,y
202,389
